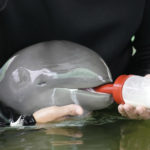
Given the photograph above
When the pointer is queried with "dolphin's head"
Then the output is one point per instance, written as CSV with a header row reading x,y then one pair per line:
x,y
54,73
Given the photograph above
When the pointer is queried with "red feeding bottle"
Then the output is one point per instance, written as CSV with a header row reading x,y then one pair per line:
x,y
131,89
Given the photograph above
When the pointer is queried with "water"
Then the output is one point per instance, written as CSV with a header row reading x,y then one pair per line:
x,y
106,130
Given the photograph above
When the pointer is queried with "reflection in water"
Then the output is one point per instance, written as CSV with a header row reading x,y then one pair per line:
x,y
88,137
62,143
135,135
70,132
99,132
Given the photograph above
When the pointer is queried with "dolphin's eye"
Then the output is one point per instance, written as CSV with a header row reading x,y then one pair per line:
x,y
42,83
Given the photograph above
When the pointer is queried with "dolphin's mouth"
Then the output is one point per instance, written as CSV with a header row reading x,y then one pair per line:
x,y
88,98
89,90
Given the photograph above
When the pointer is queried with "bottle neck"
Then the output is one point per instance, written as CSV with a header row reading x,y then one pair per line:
x,y
107,88
114,89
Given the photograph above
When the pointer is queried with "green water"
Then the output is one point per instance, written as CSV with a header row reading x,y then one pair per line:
x,y
104,131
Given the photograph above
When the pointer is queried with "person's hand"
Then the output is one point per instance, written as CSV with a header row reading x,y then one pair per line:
x,y
139,112
132,112
57,113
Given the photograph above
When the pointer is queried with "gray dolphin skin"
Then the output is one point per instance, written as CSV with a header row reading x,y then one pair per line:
x,y
54,73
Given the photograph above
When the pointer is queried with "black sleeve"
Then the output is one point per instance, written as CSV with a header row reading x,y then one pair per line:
x,y
140,63
3,4
28,120
9,117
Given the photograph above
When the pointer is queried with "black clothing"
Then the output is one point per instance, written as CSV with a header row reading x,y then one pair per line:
x,y
28,120
106,26
3,4
8,116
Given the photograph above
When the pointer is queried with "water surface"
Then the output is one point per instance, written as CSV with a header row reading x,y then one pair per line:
x,y
106,130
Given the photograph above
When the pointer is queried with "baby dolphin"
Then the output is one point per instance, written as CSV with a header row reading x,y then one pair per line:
x,y
54,73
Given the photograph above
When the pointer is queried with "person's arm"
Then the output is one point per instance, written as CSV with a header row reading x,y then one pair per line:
x,y
140,64
48,114
57,113
9,117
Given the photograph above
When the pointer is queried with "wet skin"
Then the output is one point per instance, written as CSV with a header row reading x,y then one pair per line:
x,y
54,73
